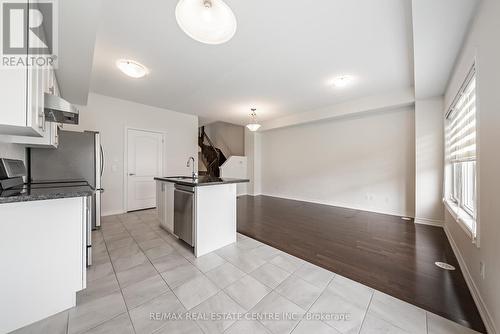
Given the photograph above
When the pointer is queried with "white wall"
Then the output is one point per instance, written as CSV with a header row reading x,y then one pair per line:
x,y
253,153
483,43
12,151
236,167
429,155
365,161
112,116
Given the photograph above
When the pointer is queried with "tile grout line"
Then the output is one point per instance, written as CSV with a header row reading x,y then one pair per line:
x,y
315,300
266,261
170,288
366,311
427,322
67,323
222,290
273,290
114,273
234,300
116,277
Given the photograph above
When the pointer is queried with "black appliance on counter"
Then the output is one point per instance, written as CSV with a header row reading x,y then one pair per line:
x,y
11,174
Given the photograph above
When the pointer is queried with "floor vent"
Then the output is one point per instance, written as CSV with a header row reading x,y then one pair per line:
x,y
444,266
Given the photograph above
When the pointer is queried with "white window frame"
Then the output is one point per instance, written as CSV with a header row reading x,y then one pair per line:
x,y
457,193
465,216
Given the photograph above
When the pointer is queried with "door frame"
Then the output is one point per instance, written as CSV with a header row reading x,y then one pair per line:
x,y
125,159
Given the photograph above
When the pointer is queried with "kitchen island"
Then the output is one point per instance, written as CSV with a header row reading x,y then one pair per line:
x,y
200,211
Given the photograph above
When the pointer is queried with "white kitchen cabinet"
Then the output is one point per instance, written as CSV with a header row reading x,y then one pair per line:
x,y
21,94
50,138
165,204
43,248
160,200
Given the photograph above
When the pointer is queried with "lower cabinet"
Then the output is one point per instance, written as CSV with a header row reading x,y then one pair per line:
x,y
43,251
165,204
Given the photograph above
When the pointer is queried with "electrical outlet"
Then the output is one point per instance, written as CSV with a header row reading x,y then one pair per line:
x,y
482,269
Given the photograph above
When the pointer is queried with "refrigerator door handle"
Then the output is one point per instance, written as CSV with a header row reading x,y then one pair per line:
x,y
102,161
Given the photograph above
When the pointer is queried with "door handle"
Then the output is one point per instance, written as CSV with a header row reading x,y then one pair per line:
x,y
131,174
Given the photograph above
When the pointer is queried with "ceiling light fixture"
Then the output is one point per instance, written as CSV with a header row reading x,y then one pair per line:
x,y
342,81
254,125
206,21
132,68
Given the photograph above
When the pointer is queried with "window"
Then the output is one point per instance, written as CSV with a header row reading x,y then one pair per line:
x,y
461,154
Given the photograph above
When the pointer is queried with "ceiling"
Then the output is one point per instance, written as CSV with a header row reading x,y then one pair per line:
x,y
280,60
439,28
78,21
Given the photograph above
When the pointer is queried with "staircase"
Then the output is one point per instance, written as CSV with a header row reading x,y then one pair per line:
x,y
211,156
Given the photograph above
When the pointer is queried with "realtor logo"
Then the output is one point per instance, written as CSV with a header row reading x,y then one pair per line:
x,y
29,36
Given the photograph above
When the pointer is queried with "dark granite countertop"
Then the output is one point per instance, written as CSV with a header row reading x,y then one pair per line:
x,y
200,181
46,190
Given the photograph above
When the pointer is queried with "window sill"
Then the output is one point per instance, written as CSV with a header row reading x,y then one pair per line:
x,y
463,219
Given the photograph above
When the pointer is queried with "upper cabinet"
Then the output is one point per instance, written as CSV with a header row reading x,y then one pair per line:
x,y
22,115
21,98
47,84
21,88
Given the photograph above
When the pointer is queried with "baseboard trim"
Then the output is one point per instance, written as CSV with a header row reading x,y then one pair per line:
x,y
112,212
430,222
481,306
389,213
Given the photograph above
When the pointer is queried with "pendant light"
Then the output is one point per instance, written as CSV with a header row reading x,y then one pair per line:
x,y
254,125
206,21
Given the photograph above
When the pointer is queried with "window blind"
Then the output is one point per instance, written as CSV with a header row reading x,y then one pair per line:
x,y
461,124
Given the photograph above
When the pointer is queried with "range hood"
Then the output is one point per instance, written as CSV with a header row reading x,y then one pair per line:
x,y
59,110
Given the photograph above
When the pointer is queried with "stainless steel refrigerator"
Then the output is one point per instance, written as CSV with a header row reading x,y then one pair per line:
x,y
78,157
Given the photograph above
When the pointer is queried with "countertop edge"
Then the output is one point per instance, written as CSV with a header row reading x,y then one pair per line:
x,y
41,197
191,184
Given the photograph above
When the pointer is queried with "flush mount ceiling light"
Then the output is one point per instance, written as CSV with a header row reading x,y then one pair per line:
x,y
342,81
206,21
254,125
132,68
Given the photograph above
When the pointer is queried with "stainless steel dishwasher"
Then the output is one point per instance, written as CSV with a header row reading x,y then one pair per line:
x,y
184,207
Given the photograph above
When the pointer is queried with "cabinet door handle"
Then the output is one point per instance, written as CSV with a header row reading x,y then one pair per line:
x,y
41,117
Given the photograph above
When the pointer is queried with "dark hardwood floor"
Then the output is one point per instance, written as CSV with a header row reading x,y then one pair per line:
x,y
381,251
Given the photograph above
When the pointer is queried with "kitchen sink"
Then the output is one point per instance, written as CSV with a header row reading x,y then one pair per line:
x,y
181,178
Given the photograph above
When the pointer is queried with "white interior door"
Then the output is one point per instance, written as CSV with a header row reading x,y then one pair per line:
x,y
145,161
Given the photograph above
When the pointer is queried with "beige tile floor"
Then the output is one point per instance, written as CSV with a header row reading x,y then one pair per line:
x,y
142,274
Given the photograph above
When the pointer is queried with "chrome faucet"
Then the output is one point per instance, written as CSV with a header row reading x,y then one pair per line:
x,y
194,174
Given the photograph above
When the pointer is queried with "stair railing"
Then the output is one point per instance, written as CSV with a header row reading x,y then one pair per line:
x,y
212,146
